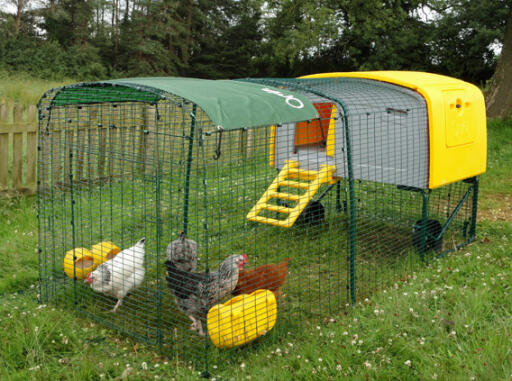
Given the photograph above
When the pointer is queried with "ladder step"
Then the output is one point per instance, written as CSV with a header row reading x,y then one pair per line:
x,y
302,174
285,196
272,221
277,208
293,184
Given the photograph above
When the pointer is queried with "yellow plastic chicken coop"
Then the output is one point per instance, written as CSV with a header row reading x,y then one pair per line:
x,y
445,118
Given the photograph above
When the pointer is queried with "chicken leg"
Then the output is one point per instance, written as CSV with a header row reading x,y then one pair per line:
x,y
119,302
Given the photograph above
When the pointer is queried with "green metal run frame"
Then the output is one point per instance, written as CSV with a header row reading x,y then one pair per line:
x,y
189,165
456,211
424,217
425,234
161,179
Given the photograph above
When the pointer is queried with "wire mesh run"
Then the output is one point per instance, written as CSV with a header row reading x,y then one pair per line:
x,y
202,239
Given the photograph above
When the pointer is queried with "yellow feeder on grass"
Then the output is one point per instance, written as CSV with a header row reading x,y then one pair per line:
x,y
103,251
242,319
86,261
78,262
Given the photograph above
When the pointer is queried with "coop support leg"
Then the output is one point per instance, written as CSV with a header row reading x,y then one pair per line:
x,y
455,211
338,197
472,229
423,227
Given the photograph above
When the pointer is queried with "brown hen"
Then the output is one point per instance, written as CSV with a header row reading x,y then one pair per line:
x,y
269,277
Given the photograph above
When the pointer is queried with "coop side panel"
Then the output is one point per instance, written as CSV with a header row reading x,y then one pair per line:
x,y
458,133
388,129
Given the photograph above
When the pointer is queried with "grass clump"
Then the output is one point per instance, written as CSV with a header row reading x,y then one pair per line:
x,y
24,89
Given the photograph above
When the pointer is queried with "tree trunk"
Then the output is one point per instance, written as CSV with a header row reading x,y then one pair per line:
x,y
499,96
19,6
115,31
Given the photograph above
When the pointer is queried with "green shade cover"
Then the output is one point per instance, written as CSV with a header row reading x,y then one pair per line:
x,y
230,104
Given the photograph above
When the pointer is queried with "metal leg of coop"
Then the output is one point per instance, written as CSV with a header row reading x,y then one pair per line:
x,y
338,197
472,188
424,217
472,229
455,212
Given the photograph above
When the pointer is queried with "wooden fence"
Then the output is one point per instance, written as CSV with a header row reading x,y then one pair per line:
x,y
18,149
18,146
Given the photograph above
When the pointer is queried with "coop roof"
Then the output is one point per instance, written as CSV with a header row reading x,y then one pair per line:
x,y
230,104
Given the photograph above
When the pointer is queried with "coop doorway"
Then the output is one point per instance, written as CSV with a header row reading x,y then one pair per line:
x,y
317,135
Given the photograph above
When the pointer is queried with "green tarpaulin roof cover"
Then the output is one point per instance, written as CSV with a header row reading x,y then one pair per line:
x,y
230,104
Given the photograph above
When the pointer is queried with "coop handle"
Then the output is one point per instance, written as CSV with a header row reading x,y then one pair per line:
x,y
217,151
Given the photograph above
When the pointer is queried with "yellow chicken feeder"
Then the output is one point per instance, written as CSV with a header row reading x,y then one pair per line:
x,y
103,251
242,319
83,263
87,260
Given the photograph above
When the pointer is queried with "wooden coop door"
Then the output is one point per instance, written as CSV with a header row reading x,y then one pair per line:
x,y
316,132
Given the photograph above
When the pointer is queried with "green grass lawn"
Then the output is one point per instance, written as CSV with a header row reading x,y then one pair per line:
x,y
451,319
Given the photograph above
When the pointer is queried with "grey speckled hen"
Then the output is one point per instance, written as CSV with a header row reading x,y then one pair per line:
x,y
196,293
183,253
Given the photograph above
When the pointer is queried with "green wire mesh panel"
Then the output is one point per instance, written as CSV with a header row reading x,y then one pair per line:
x,y
380,152
391,239
325,211
101,179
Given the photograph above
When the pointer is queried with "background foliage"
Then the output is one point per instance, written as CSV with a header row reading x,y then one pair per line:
x,y
91,39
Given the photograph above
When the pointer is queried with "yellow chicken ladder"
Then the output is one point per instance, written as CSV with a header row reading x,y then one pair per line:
x,y
291,176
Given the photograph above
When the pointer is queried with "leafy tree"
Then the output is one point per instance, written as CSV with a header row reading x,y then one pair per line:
x,y
300,31
381,36
346,35
233,38
151,42
49,60
68,21
227,37
463,36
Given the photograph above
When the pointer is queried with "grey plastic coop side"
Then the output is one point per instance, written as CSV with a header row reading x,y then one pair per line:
x,y
395,153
